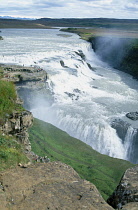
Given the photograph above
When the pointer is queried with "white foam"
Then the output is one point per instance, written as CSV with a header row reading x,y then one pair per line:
x,y
86,100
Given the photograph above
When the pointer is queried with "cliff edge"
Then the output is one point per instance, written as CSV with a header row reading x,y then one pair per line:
x,y
48,186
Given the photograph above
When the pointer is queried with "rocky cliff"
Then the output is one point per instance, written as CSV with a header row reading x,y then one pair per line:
x,y
120,53
126,193
17,124
30,81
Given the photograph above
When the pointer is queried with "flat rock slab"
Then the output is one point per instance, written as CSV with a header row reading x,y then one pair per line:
x,y
44,186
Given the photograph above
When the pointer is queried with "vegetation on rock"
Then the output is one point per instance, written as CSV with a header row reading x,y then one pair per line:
x,y
8,99
10,152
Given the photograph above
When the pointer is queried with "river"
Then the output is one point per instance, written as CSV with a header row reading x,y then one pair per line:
x,y
91,99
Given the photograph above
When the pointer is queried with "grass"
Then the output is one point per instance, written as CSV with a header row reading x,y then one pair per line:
x,y
88,34
1,72
10,152
105,172
8,98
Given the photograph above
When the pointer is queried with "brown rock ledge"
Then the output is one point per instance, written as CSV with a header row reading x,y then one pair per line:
x,y
52,185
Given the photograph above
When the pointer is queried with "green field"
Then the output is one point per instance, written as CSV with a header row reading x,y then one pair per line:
x,y
105,172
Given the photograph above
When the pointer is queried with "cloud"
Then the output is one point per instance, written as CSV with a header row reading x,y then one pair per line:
x,y
132,7
70,8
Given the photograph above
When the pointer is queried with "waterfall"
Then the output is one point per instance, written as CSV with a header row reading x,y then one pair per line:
x,y
130,144
88,94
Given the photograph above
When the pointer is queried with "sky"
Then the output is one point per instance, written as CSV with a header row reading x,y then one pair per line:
x,y
126,9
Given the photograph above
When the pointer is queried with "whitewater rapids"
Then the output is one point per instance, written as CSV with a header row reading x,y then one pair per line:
x,y
88,94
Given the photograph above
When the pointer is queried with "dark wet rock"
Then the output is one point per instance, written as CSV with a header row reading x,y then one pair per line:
x,y
132,115
72,96
121,128
63,64
90,67
94,87
52,185
77,90
127,190
1,38
124,131
100,75
81,54
64,35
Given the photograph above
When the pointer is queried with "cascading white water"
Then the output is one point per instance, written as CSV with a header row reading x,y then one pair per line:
x,y
88,94
129,141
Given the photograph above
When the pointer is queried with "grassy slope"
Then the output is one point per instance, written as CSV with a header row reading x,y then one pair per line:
x,y
105,172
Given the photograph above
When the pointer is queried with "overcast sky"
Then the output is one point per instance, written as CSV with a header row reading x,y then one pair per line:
x,y
70,8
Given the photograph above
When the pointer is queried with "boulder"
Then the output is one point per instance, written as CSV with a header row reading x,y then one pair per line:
x,y
132,115
126,191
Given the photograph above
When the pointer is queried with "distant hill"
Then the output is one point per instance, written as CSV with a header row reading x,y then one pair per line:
x,y
90,22
15,23
127,24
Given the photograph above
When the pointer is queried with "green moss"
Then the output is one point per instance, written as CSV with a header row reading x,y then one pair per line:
x,y
10,153
8,99
105,172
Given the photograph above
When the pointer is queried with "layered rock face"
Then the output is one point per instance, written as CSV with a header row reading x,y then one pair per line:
x,y
17,124
127,191
48,186
31,83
